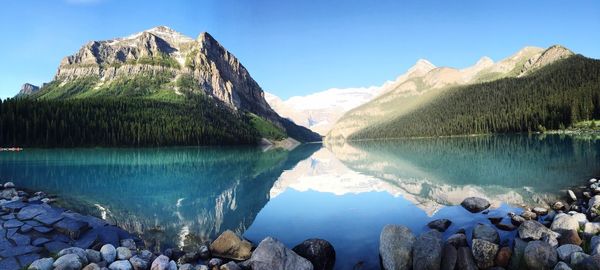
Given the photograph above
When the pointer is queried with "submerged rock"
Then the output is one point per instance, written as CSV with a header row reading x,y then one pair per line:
x,y
229,245
319,252
475,204
272,254
395,247
439,224
427,251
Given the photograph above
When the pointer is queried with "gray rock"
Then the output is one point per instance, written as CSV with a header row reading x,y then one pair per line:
x,y
449,257
564,223
533,230
486,232
272,254
172,265
577,260
120,265
160,263
147,256
128,243
318,251
395,247
457,240
595,245
591,262
109,253
81,254
187,266
68,262
41,264
216,263
540,255
230,266
540,211
123,253
138,263
204,252
465,259
93,256
562,266
516,260
475,204
9,185
564,252
529,215
93,266
427,251
201,267
484,253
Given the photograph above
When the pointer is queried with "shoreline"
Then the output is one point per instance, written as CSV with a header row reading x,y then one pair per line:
x,y
39,235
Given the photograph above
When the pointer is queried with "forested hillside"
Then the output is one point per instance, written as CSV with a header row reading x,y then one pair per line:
x,y
553,97
121,122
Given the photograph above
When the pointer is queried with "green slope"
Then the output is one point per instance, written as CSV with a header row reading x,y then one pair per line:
x,y
555,96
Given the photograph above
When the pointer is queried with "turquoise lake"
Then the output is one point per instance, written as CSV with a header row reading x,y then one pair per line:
x,y
180,197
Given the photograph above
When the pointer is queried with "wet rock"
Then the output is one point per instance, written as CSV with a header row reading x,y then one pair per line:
x,y
475,204
204,252
571,195
160,263
120,265
138,263
427,251
395,247
562,266
440,225
506,226
81,254
495,220
9,263
540,255
484,253
109,253
564,252
41,264
528,215
230,266
540,211
9,185
189,257
569,237
93,256
533,230
215,262
465,260
449,257
516,260
486,232
457,240
123,253
517,220
272,254
71,227
68,262
55,246
503,257
229,245
577,260
319,252
93,266
564,223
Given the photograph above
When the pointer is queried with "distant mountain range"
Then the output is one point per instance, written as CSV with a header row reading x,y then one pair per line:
x,y
162,65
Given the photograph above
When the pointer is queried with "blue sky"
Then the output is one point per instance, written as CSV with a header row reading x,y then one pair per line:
x,y
299,47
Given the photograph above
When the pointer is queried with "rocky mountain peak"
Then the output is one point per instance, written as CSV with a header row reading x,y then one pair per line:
x,y
548,56
484,62
28,89
422,65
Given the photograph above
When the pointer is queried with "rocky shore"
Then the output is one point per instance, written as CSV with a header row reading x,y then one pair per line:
x,y
36,235
561,238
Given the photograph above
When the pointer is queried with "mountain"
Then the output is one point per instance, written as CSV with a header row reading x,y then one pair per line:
x,y
419,91
28,89
159,66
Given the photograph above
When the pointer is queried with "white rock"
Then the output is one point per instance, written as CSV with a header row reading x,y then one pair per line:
x,y
564,223
591,228
109,253
41,264
123,253
581,218
69,261
572,195
120,265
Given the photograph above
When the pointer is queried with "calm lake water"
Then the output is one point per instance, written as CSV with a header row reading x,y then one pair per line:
x,y
342,193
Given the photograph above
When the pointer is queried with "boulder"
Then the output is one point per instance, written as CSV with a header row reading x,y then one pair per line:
x,y
591,262
81,254
486,232
563,223
427,251
93,266
41,264
138,263
577,260
449,257
540,211
464,260
475,204
595,245
120,265
484,253
93,256
516,260
68,262
591,228
172,265
503,257
230,266
558,206
129,243
272,254
540,255
569,237
457,240
395,247
123,253
440,224
229,245
318,251
564,252
562,266
528,215
533,230
581,218
109,253
160,263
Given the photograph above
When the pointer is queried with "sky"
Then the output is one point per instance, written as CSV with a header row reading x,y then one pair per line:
x,y
300,47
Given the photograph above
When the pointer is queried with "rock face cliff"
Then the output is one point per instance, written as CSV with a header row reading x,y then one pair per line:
x,y
176,65
28,89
